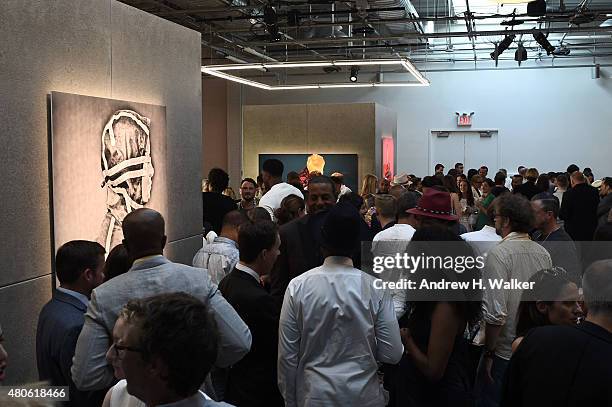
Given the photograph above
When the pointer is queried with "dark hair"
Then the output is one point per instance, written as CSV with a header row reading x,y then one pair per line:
x,y
452,172
76,256
273,167
254,237
352,198
607,181
562,180
517,209
468,301
548,285
258,213
489,182
218,180
431,181
323,179
251,180
292,176
178,329
500,178
289,209
407,200
438,166
471,172
572,168
549,202
450,183
117,262
338,179
233,219
458,165
469,195
543,183
385,205
485,167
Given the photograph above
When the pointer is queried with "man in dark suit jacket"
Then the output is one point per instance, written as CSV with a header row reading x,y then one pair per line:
x,y
299,250
251,382
579,209
568,366
79,268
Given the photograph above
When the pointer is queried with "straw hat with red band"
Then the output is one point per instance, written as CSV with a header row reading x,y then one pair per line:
x,y
434,204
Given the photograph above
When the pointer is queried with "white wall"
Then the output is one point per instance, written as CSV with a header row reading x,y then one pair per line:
x,y
547,118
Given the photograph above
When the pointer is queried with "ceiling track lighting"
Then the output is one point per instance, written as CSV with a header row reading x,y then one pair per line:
x,y
502,46
543,41
354,72
219,71
521,53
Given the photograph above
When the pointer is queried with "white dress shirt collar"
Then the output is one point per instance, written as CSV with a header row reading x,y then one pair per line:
x,y
248,270
81,297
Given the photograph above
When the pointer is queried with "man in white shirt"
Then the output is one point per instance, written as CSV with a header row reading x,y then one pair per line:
x,y
395,240
518,258
482,240
272,175
335,326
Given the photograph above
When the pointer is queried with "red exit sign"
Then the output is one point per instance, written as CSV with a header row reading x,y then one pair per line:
x,y
464,119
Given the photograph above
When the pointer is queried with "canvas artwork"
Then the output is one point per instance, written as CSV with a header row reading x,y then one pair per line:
x,y
324,163
108,159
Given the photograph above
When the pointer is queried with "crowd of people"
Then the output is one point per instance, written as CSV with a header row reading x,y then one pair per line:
x,y
280,306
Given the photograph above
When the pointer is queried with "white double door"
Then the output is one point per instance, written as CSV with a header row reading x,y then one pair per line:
x,y
472,148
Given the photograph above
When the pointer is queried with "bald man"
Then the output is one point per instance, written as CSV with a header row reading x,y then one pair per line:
x,y
151,274
579,208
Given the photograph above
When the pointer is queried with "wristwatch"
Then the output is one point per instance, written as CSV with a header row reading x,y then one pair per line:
x,y
489,353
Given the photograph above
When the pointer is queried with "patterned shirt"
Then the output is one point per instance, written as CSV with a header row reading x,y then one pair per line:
x,y
218,258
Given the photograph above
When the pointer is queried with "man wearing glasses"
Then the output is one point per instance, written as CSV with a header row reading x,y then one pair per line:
x,y
515,257
163,347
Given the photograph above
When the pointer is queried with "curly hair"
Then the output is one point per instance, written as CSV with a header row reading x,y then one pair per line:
x,y
178,329
218,180
517,209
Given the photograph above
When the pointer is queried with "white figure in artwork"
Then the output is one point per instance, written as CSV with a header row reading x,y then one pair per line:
x,y
127,170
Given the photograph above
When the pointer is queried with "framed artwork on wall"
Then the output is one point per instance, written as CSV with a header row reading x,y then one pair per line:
x,y
347,164
107,158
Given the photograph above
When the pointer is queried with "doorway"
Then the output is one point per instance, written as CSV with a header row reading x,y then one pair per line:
x,y
473,148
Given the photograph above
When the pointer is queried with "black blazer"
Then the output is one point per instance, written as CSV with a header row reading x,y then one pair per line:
x,y
579,211
299,252
59,325
252,380
528,189
561,366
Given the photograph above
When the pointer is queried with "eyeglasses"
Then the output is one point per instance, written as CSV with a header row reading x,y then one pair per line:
x,y
116,348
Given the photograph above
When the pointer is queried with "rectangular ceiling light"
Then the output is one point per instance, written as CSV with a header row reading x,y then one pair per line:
x,y
219,71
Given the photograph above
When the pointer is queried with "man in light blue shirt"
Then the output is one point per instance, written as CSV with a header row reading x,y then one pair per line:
x,y
220,256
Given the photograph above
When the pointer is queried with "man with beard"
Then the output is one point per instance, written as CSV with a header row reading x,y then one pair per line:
x,y
300,250
248,186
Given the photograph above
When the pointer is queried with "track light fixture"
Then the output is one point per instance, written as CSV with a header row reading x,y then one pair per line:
x,y
521,53
543,41
354,71
502,46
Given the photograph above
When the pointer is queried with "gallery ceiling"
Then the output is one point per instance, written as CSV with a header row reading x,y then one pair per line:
x,y
424,31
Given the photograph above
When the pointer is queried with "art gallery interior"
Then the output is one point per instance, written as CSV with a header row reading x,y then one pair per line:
x,y
418,66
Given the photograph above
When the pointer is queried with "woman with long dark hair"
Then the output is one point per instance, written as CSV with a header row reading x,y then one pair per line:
x,y
435,368
553,300
466,199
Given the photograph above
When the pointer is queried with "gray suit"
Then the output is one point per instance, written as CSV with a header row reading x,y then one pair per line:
x,y
154,275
